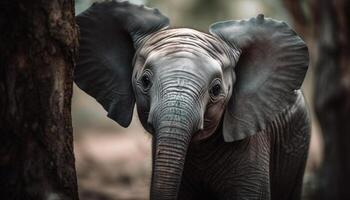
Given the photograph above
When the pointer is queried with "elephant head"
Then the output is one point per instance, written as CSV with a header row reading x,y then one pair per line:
x,y
186,82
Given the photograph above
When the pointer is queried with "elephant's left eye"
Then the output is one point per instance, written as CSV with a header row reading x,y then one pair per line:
x,y
215,90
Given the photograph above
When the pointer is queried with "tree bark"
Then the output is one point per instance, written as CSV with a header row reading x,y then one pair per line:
x,y
38,45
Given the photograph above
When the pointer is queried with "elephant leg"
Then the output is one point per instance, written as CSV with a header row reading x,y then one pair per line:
x,y
287,177
288,155
250,186
242,170
186,192
296,191
189,189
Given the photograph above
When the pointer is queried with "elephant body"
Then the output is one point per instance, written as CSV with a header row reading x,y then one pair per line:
x,y
224,108
268,165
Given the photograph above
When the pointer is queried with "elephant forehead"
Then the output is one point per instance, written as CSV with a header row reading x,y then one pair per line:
x,y
186,62
171,41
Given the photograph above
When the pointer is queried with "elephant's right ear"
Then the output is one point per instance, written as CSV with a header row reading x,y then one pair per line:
x,y
110,33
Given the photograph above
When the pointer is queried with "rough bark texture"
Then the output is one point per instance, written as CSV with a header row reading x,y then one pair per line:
x,y
330,22
38,47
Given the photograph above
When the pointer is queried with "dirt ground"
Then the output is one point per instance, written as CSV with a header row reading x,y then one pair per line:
x,y
113,163
113,166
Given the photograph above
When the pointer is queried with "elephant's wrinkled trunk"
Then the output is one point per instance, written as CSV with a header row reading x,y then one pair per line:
x,y
174,127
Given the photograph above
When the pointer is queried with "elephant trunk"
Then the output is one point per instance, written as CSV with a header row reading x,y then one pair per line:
x,y
174,127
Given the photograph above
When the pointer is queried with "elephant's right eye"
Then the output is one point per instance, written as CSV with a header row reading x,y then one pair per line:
x,y
145,80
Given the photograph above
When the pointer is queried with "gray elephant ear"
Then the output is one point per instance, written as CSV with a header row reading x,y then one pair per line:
x,y
110,33
271,68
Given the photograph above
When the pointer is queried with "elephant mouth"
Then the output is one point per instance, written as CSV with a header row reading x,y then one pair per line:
x,y
208,131
201,135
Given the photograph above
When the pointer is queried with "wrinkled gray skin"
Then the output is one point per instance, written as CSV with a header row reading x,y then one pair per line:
x,y
178,106
225,109
178,109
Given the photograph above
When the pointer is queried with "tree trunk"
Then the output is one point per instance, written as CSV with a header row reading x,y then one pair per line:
x,y
38,45
332,98
330,22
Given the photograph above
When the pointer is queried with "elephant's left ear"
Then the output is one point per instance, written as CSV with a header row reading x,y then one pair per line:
x,y
271,68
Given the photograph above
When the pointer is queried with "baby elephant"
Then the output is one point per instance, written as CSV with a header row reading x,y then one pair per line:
x,y
224,108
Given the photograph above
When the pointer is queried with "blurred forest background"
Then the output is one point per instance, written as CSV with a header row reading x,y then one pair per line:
x,y
115,163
